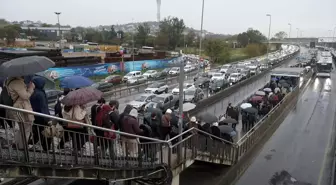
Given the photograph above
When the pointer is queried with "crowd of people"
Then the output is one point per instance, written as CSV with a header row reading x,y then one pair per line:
x,y
29,94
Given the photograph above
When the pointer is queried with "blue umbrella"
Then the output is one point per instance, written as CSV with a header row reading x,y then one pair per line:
x,y
73,82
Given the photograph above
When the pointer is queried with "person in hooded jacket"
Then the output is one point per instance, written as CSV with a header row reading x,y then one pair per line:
x,y
20,94
39,103
126,112
131,125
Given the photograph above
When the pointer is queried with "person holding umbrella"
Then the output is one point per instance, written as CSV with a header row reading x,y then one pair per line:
x,y
19,93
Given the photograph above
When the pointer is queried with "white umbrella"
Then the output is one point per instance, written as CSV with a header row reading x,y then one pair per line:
x,y
188,106
245,105
268,90
260,93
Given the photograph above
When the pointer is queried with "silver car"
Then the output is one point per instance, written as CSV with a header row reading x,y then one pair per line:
x,y
140,102
136,80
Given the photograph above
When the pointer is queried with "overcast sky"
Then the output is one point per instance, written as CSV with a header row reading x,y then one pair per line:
x,y
314,17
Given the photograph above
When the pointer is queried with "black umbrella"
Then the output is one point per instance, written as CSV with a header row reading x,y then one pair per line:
x,y
208,118
251,110
225,129
228,121
24,66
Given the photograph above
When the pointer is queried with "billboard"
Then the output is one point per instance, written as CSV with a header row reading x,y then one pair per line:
x,y
106,69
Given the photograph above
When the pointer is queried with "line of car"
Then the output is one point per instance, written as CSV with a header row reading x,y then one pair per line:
x,y
156,95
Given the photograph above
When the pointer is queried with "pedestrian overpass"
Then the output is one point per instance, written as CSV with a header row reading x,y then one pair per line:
x,y
151,160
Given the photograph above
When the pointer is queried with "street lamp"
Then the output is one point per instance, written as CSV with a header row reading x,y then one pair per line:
x,y
297,29
201,35
334,34
59,28
290,29
133,45
269,34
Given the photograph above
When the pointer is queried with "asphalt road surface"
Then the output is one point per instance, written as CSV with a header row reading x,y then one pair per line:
x,y
301,149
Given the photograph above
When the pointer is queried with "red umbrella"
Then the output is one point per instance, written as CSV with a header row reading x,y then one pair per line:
x,y
256,98
82,96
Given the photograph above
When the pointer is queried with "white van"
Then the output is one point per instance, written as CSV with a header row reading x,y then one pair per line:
x,y
131,75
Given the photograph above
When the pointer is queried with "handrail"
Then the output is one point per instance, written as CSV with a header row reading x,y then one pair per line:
x,y
240,141
198,130
79,123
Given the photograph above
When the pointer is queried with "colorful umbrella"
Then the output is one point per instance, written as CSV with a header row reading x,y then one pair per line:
x,y
268,90
82,96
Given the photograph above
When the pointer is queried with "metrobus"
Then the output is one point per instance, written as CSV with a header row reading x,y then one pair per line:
x,y
294,75
324,67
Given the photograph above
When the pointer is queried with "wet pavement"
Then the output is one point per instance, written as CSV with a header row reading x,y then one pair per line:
x,y
301,151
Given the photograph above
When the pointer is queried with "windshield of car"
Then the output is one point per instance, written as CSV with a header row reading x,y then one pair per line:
x,y
217,74
225,67
129,74
109,77
185,86
234,75
175,69
141,98
158,99
155,85
190,92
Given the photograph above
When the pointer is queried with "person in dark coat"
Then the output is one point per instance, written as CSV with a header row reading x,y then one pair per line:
x,y
126,112
229,110
39,103
235,116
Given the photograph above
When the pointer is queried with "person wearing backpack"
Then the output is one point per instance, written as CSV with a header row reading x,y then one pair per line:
x,y
95,109
18,96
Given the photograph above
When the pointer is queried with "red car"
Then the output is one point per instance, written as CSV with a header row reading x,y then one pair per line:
x,y
113,79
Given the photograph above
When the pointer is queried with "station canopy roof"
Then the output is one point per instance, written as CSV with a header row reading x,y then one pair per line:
x,y
293,72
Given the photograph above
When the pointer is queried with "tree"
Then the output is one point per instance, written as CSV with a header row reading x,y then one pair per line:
x,y
11,32
190,38
280,35
113,33
251,36
253,50
243,39
217,50
172,27
143,31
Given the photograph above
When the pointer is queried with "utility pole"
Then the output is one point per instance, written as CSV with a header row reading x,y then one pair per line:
x,y
201,35
269,34
290,29
59,29
133,46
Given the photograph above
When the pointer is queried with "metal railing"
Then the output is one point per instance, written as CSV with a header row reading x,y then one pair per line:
x,y
76,147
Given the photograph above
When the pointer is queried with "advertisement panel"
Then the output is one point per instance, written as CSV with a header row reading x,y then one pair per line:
x,y
106,69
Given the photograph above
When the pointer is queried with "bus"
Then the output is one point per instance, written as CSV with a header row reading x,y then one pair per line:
x,y
324,67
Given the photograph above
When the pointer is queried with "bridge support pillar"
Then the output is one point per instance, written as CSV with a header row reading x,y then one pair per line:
x,y
176,180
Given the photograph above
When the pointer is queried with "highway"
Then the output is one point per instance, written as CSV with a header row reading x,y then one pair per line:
x,y
302,148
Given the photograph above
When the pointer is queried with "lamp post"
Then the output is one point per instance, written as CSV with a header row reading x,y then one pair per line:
x,y
269,34
297,29
59,29
133,46
333,39
290,29
201,35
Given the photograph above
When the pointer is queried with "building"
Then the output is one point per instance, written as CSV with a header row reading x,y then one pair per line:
x,y
51,32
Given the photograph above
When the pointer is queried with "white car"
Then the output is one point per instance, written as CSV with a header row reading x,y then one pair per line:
x,y
150,74
217,76
225,68
174,71
253,69
188,69
235,77
186,86
131,74
141,101
157,88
